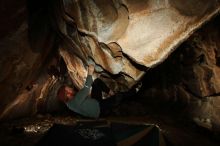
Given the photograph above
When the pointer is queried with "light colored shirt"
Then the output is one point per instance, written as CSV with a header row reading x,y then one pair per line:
x,y
82,103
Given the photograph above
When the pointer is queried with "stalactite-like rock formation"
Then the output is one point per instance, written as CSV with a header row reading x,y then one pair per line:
x,y
123,38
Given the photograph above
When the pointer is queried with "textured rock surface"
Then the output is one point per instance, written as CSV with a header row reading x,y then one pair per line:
x,y
122,33
123,38
21,55
189,78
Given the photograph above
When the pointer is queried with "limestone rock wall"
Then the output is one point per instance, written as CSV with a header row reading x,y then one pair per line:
x,y
189,79
24,49
116,35
123,38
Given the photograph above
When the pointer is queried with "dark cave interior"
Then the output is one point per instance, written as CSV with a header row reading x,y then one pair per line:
x,y
174,95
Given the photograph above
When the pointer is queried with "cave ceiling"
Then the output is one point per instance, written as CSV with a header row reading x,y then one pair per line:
x,y
123,38
116,35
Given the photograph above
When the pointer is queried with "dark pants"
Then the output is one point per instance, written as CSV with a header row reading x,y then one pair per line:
x,y
106,105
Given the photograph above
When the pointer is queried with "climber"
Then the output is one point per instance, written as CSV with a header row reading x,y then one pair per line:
x,y
92,105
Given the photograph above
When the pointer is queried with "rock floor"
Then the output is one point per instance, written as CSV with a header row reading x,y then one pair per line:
x,y
179,131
